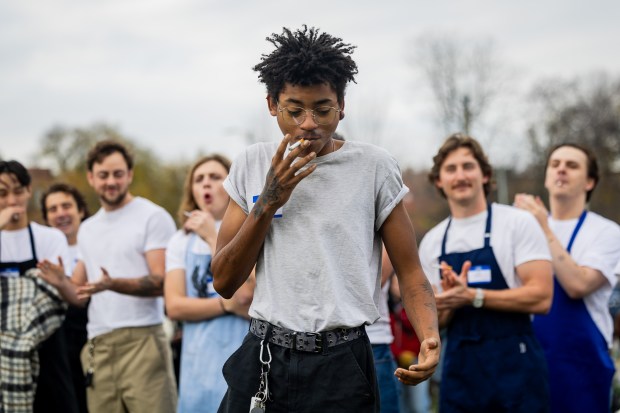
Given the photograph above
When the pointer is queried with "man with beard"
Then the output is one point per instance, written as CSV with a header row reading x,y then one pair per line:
x,y
63,207
121,269
495,271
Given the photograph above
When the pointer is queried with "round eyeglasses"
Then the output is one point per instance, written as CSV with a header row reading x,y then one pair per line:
x,y
293,115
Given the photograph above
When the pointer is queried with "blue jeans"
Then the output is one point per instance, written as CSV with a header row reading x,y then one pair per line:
x,y
389,386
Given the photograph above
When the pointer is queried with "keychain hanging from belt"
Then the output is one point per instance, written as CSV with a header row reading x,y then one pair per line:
x,y
257,404
88,378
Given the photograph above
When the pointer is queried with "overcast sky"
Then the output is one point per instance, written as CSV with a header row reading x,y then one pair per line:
x,y
176,74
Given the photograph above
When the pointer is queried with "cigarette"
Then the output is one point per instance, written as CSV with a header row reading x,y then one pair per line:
x,y
443,267
187,213
295,145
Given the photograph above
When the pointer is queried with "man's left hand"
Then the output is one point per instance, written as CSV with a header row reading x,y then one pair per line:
x,y
427,363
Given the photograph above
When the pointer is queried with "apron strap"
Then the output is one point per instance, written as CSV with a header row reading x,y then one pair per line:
x,y
582,218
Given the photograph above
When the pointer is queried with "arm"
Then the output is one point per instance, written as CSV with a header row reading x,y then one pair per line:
x,y
417,295
241,236
576,280
54,274
534,296
183,308
150,285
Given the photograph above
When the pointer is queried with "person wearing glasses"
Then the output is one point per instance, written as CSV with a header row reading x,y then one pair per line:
x,y
312,214
585,247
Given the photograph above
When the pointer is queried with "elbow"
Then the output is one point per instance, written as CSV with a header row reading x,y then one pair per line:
x,y
173,309
222,289
543,306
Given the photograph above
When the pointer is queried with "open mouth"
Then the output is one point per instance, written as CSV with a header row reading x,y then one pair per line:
x,y
208,198
560,184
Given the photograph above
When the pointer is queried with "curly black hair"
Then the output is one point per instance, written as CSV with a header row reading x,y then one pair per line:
x,y
305,58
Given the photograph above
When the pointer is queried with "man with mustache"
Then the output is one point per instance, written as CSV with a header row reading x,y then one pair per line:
x,y
63,207
121,269
493,265
311,213
576,335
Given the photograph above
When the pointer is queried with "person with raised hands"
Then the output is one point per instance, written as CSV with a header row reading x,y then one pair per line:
x,y
492,269
212,327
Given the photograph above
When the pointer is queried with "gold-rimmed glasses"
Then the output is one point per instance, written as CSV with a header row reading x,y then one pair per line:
x,y
294,115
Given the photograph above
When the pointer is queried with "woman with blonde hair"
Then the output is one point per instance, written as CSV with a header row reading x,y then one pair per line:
x,y
212,326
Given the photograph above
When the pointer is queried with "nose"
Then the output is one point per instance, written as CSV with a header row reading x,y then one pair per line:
x,y
12,198
460,173
309,123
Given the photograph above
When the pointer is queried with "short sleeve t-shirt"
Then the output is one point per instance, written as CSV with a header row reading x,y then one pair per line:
x,y
319,267
117,241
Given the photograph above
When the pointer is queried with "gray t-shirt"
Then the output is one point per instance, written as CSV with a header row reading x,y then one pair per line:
x,y
320,265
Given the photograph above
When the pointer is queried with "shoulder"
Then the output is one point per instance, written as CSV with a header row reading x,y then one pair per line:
x,y
599,224
41,231
509,215
179,238
368,151
434,236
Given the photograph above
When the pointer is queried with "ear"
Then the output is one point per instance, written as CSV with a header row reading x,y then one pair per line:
x,y
341,113
589,184
90,179
485,179
272,105
130,176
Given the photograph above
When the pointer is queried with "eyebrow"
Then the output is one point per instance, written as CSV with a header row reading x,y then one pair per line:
x,y
318,102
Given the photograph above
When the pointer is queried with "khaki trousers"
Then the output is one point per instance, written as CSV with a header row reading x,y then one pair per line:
x,y
132,372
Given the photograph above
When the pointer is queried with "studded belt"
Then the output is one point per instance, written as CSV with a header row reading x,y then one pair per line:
x,y
300,341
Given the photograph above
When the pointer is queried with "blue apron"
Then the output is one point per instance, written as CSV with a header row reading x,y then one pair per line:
x,y
493,362
206,344
580,367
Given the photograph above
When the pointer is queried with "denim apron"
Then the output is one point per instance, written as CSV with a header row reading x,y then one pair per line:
x,y
206,344
493,362
580,367
54,391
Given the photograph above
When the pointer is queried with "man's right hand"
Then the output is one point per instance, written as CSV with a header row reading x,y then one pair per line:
x,y
284,175
53,274
10,213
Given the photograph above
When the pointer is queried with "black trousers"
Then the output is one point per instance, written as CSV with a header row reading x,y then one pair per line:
x,y
340,379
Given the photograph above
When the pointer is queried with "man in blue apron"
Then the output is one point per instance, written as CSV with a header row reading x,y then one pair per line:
x,y
493,265
576,334
22,244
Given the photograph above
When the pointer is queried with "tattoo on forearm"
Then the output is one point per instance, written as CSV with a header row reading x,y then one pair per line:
x,y
272,193
148,287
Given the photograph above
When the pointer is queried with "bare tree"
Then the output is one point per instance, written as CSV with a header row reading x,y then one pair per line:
x,y
583,110
468,80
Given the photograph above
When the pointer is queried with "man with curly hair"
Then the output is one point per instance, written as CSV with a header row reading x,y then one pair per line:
x,y
311,213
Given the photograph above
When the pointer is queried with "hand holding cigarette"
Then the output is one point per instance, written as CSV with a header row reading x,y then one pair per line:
x,y
296,144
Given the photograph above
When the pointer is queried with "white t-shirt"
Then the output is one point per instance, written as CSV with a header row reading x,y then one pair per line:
x,y
516,238
177,248
596,246
380,332
72,259
49,243
118,241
